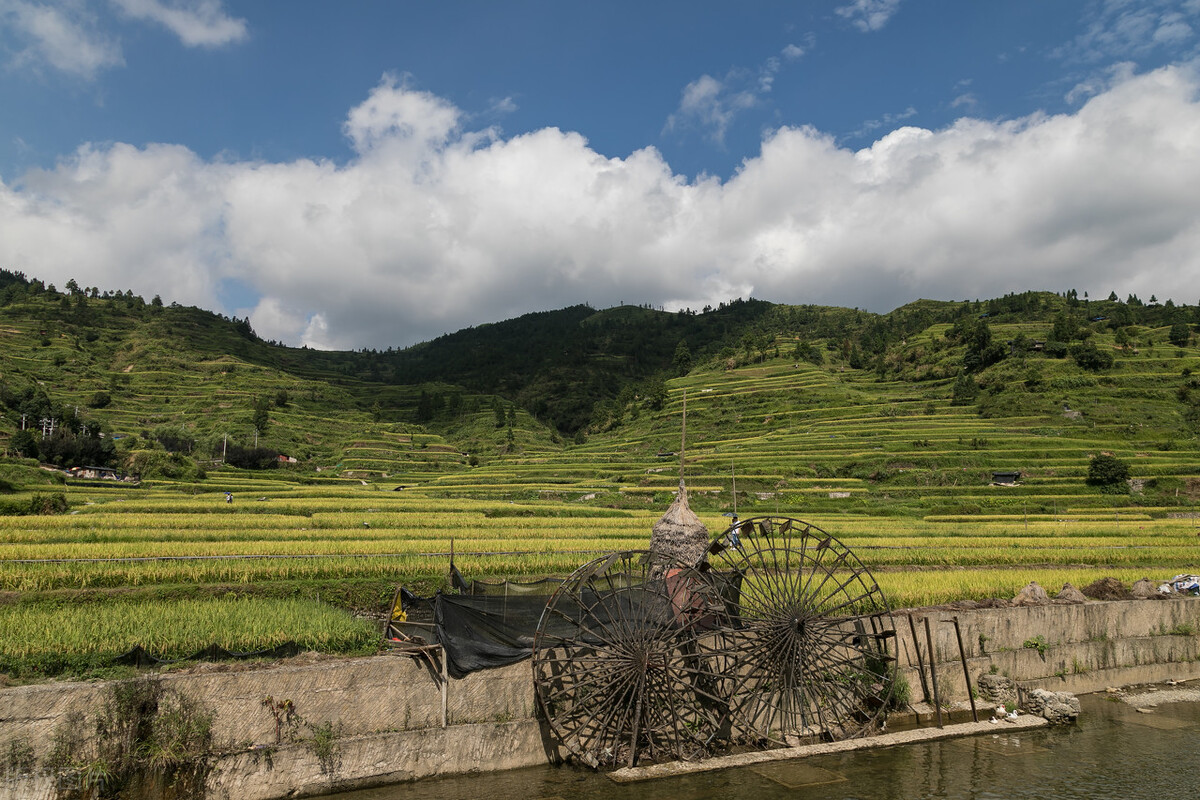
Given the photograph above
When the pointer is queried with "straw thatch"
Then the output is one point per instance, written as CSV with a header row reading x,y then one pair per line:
x,y
680,533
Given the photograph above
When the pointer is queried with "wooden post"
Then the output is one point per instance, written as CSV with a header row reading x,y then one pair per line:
x,y
445,688
962,654
912,626
937,701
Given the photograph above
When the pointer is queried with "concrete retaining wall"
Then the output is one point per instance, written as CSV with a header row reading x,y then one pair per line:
x,y
1075,648
389,707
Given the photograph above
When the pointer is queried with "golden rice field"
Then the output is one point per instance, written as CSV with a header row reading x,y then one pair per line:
x,y
46,638
160,536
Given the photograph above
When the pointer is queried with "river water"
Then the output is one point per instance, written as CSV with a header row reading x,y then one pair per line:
x,y
1113,753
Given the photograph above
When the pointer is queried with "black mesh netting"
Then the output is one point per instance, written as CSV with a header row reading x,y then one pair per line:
x,y
477,631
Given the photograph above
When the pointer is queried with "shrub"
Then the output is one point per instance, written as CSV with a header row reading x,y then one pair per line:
x,y
1108,473
1092,358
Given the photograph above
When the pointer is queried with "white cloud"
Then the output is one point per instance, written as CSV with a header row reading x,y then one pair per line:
x,y
793,51
63,35
887,120
197,23
868,15
431,227
1101,81
503,105
1118,29
711,104
392,116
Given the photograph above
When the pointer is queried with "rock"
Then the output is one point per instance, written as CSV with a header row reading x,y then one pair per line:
x,y
1032,595
1145,589
1112,690
994,689
1059,708
1144,710
1070,594
1106,589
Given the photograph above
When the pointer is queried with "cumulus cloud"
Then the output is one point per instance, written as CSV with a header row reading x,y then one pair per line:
x,y
197,23
62,35
431,226
868,15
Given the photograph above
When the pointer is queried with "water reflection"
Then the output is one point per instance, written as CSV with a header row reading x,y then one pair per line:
x,y
1114,753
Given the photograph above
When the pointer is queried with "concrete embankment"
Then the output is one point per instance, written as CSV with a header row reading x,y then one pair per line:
x,y
1074,648
369,721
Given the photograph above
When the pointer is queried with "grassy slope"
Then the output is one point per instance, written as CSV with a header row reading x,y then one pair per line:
x,y
188,372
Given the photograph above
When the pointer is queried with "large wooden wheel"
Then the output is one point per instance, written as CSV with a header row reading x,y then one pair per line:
x,y
631,662
809,628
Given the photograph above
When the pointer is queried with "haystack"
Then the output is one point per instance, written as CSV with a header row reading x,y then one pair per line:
x,y
1070,594
680,533
1031,595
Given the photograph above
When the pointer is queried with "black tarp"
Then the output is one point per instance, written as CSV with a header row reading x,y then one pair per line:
x,y
484,631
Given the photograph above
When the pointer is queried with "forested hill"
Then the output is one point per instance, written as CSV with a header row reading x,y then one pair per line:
x,y
187,382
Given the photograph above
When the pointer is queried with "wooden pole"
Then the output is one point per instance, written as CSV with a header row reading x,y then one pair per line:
x,y
912,626
962,654
937,701
445,688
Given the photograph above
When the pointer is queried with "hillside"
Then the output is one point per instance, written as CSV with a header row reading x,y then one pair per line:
x,y
908,412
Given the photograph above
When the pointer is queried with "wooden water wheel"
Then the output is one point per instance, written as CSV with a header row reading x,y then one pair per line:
x,y
809,631
631,661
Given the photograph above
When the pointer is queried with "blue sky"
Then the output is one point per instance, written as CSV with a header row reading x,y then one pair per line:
x,y
374,174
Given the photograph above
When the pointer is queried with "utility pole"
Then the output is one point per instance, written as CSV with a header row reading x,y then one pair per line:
x,y
224,444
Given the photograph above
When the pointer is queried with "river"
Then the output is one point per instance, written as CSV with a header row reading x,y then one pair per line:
x,y
1114,752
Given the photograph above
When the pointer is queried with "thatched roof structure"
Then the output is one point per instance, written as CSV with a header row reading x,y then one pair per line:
x,y
679,532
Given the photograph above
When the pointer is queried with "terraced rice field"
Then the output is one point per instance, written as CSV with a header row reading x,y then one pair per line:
x,y
892,469
139,538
